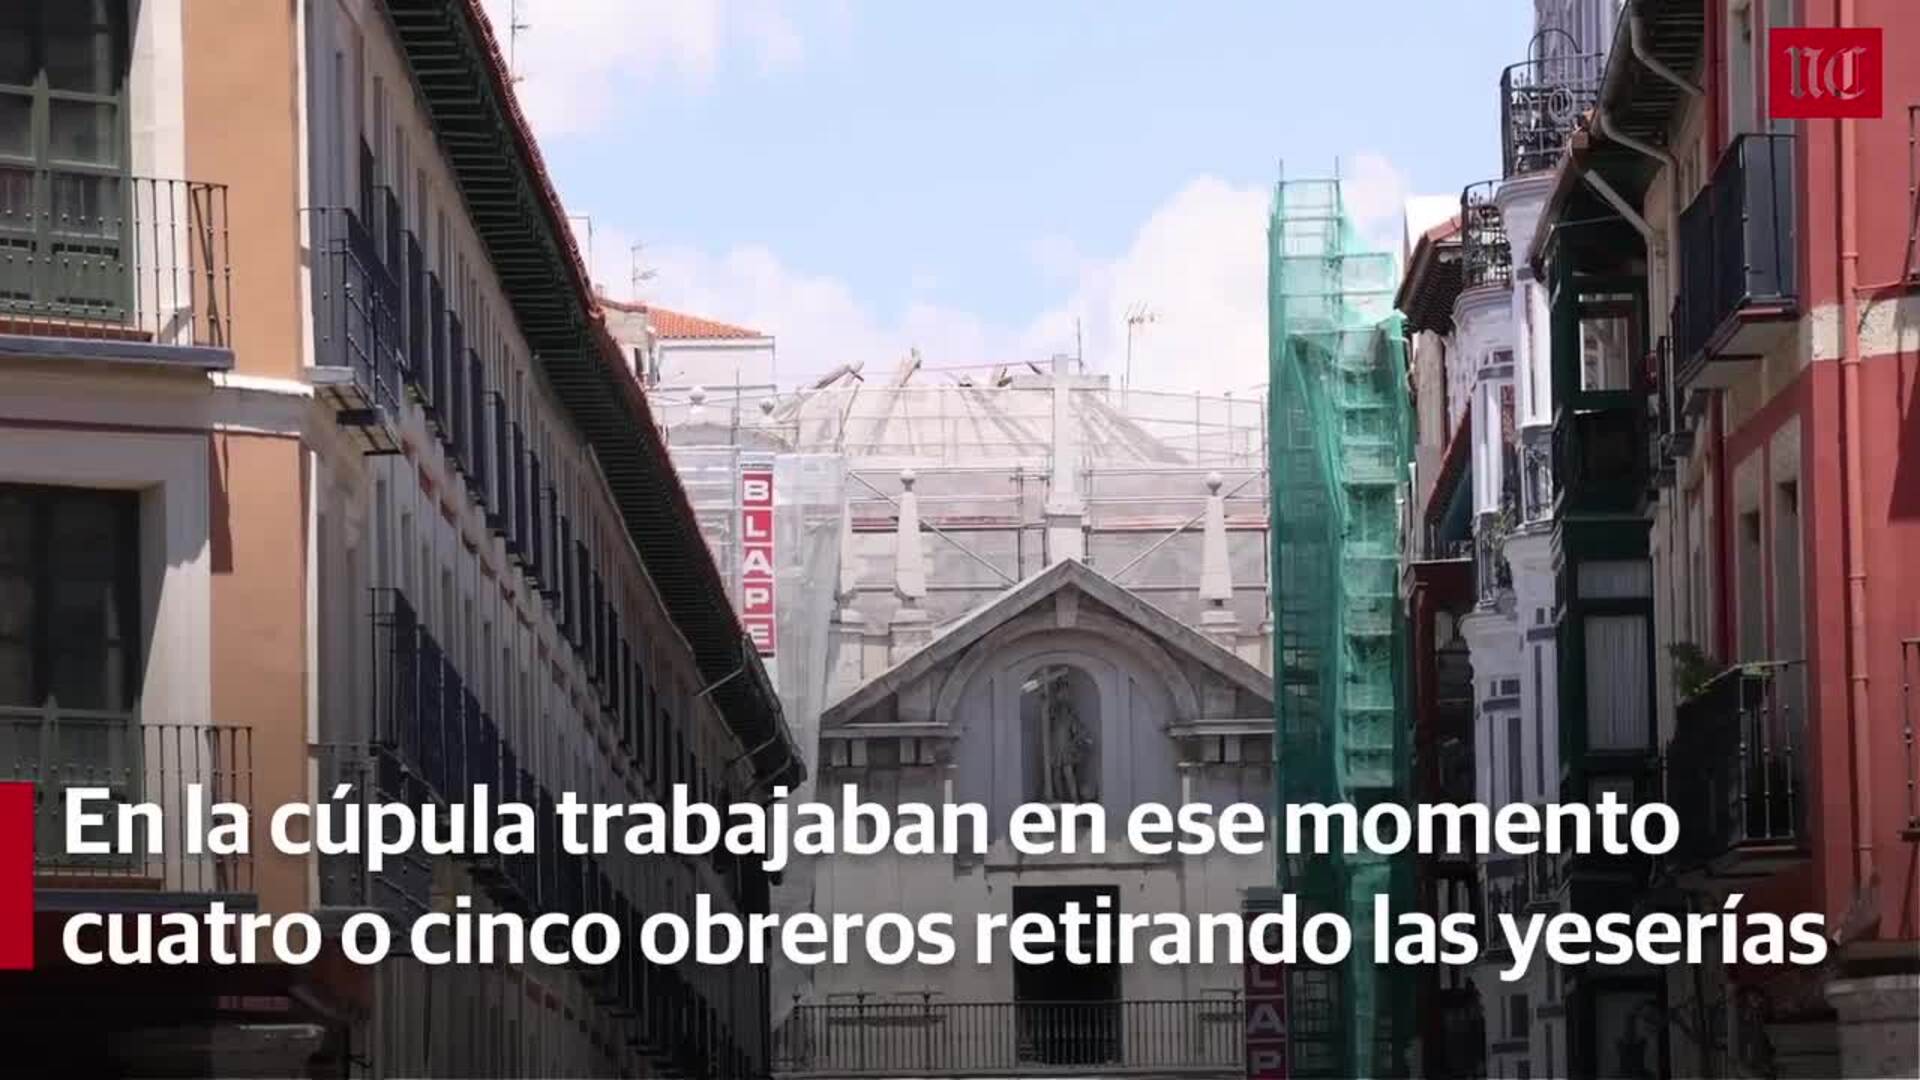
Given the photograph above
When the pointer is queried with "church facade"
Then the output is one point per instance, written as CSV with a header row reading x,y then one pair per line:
x,y
1012,585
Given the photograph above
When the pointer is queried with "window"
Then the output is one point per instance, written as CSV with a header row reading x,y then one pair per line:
x,y
1516,778
1752,594
1741,91
63,156
1617,681
1699,581
1606,350
1517,1020
1539,723
1789,617
1779,13
69,597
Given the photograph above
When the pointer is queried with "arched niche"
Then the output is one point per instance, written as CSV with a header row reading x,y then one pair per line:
x,y
1134,689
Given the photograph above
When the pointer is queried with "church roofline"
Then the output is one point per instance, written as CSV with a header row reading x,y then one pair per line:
x,y
977,624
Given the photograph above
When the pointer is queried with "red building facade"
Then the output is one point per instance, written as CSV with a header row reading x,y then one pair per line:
x,y
1771,269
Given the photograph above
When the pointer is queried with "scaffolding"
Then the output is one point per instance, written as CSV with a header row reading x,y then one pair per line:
x,y
1339,446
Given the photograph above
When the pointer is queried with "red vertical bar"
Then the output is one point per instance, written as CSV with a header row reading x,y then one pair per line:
x,y
16,877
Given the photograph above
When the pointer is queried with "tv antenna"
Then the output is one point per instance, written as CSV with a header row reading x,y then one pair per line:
x,y
641,273
1138,315
514,26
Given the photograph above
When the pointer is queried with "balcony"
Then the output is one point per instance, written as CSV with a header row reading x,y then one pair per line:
x,y
432,740
359,357
1536,477
924,1037
1600,460
114,268
56,748
1541,101
1734,774
1502,897
1738,291
1670,426
1491,575
1485,256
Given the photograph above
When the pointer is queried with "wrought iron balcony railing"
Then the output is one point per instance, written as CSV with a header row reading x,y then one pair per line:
x,y
1502,896
1738,255
932,1038
1536,478
359,349
1435,545
1486,258
1735,770
1600,459
120,266
1670,424
1541,103
1491,574
56,749
432,740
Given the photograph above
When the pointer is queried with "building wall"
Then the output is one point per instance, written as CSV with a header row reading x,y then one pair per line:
x,y
243,129
258,543
415,524
1782,420
975,749
717,366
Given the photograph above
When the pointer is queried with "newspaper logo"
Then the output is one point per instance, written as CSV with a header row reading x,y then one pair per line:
x,y
1834,73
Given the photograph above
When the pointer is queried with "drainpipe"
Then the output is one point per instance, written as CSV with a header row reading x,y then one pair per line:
x,y
1670,168
1637,41
1859,707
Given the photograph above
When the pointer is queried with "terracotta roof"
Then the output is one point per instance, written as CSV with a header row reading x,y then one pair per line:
x,y
1431,279
1443,230
674,324
678,325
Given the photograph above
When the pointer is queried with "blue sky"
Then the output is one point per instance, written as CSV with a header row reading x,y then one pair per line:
x,y
860,177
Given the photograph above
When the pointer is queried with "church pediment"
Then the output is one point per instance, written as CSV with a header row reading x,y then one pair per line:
x,y
1069,602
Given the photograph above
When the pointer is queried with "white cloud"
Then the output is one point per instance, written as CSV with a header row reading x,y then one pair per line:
x,y
817,321
1198,264
1375,193
577,59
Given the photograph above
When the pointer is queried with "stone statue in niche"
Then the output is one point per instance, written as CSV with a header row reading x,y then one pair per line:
x,y
1072,771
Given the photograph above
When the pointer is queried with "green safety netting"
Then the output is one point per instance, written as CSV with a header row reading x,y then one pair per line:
x,y
1340,443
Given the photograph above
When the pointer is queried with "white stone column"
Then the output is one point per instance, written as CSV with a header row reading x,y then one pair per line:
x,y
849,625
910,626
1065,509
1217,618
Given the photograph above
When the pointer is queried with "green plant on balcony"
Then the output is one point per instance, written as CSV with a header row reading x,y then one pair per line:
x,y
1693,668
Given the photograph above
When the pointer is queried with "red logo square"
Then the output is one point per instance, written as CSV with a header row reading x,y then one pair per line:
x,y
1825,73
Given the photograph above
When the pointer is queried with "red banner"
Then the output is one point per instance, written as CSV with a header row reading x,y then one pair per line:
x,y
1269,1054
756,556
16,877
